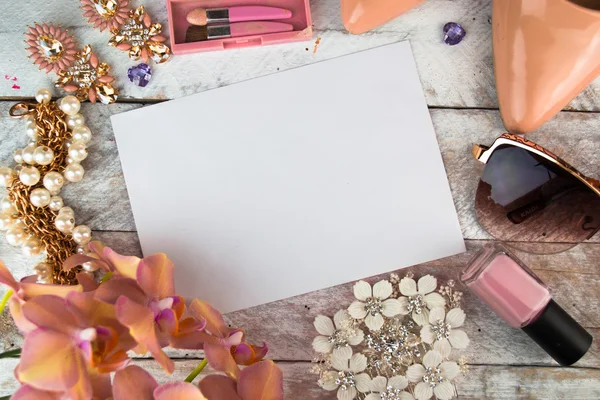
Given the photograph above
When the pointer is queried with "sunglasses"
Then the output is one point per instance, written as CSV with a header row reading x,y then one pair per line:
x,y
527,194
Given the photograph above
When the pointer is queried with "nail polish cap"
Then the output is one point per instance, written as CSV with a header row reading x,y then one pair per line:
x,y
559,335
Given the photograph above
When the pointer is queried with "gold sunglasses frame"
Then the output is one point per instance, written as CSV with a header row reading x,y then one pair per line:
x,y
483,153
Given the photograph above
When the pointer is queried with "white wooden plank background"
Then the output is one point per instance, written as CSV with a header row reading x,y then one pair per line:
x,y
459,87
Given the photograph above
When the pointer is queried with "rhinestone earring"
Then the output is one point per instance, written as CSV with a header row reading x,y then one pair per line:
x,y
79,72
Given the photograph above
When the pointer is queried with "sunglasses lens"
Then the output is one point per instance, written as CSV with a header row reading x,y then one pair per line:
x,y
523,197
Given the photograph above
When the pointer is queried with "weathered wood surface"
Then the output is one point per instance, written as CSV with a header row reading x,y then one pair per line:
x,y
494,382
457,76
101,200
505,364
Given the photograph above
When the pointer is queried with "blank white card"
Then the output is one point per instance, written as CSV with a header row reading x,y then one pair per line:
x,y
292,182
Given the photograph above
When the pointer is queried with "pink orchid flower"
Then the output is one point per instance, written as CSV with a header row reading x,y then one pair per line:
x,y
25,290
76,344
143,291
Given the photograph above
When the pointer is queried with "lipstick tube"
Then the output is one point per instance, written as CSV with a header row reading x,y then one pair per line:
x,y
523,301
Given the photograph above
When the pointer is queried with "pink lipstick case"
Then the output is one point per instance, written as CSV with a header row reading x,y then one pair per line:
x,y
178,9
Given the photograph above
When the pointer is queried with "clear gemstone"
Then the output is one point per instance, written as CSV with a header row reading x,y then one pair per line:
x,y
453,33
51,48
106,8
140,75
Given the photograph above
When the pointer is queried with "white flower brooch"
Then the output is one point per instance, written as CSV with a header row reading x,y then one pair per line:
x,y
394,342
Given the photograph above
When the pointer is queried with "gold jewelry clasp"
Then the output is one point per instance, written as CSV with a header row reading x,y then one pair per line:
x,y
21,110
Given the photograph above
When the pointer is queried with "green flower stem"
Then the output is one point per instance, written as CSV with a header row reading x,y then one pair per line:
x,y
196,371
15,353
5,300
106,277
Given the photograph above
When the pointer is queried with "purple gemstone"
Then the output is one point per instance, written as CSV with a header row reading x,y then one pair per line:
x,y
453,33
140,75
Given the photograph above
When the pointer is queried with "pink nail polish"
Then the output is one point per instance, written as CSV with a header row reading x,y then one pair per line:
x,y
523,301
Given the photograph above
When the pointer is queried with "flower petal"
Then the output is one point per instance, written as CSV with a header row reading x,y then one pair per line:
x,y
357,310
374,322
443,347
133,382
140,322
343,352
324,325
382,290
408,287
50,312
423,391
458,339
449,370
432,359
373,396
220,359
248,354
49,361
406,396
427,284
436,315
340,364
357,338
167,321
327,381
16,312
27,392
363,382
79,259
155,276
427,335
214,320
379,384
30,290
358,363
127,266
218,387
6,278
422,318
339,318
391,307
444,391
261,381
455,317
116,286
177,391
362,290
403,305
415,373
348,394
434,300
398,382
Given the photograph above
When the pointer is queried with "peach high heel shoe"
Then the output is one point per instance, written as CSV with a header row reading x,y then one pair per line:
x,y
360,16
545,53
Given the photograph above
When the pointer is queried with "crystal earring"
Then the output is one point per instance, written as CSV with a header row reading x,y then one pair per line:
x,y
132,30
79,72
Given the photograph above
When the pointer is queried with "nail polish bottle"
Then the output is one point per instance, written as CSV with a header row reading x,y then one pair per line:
x,y
522,300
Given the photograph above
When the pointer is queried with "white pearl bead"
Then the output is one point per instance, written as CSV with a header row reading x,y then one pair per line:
x,y
31,247
89,266
28,152
18,156
64,223
7,176
74,172
7,207
6,221
29,119
75,120
56,203
82,134
43,96
66,211
43,155
32,132
43,270
29,176
70,105
82,234
40,197
15,236
46,281
78,151
53,181
82,249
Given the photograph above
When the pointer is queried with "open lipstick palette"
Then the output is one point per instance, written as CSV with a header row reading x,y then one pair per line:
x,y
220,34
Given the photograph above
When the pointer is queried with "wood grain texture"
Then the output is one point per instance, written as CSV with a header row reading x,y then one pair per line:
x,y
101,200
481,383
452,76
